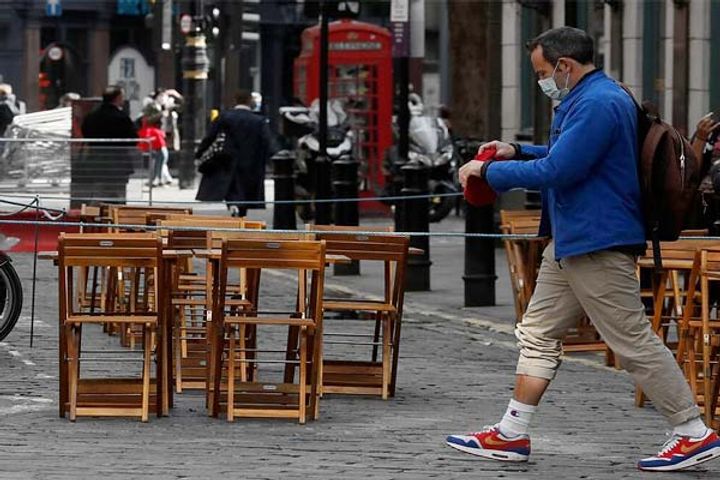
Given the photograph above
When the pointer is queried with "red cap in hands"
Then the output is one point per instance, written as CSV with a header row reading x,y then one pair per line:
x,y
477,191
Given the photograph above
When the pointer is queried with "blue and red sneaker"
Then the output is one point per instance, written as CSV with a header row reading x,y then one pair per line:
x,y
491,443
683,452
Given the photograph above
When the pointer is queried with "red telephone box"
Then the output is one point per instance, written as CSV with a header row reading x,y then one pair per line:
x,y
360,59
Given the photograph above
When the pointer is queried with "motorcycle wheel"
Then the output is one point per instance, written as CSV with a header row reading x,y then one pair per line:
x,y
11,299
440,207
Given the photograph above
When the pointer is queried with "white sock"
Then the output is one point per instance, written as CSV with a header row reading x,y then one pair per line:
x,y
516,420
694,428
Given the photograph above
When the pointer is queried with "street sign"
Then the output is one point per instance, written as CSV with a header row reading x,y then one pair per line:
x,y
55,53
400,27
186,23
53,8
400,11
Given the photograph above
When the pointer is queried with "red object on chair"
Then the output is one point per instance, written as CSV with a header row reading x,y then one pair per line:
x,y
477,191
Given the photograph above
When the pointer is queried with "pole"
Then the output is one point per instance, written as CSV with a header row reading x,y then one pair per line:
x,y
323,210
403,90
195,66
417,278
284,177
345,185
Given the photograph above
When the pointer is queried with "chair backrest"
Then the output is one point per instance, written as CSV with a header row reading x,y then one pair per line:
x,y
524,226
392,250
301,256
196,236
255,224
215,238
109,249
710,262
139,251
126,215
182,216
277,253
348,228
507,216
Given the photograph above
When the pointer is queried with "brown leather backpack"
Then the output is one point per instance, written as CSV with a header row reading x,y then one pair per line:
x,y
669,176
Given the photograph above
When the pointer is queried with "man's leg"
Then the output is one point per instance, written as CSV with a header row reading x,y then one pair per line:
x,y
553,309
606,285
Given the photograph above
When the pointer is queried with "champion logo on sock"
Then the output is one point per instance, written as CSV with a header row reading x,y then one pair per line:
x,y
514,413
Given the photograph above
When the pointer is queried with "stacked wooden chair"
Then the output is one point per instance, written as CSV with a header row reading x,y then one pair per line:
x,y
107,396
191,296
369,376
243,390
698,349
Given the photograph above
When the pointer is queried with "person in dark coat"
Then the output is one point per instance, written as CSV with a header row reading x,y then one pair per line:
x,y
107,166
249,144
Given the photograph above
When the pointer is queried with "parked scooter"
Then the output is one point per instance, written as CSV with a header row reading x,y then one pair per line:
x,y
11,295
303,123
430,145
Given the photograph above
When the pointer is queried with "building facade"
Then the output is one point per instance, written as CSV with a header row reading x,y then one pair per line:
x,y
666,51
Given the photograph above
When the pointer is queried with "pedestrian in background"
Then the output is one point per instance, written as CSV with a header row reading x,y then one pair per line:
x,y
592,212
157,147
249,145
706,144
10,106
107,166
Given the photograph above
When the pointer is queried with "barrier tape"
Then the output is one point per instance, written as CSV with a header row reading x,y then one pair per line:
x,y
246,202
368,233
77,140
34,205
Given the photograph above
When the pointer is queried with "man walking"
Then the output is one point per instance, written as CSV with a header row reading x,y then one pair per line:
x,y
591,209
107,167
241,181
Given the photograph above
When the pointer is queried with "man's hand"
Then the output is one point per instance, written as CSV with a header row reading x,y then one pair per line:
x,y
471,168
503,151
705,127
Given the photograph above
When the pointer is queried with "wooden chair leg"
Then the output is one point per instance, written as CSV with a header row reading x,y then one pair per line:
x,y
231,378
147,339
315,377
244,365
73,369
302,394
386,366
177,351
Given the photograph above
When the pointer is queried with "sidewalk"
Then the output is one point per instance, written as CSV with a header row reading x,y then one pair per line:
x,y
455,375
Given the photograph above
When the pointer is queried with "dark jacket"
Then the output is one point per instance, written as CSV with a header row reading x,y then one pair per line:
x,y
108,161
249,144
587,174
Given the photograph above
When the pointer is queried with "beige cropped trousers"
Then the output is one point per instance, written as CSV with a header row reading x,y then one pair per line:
x,y
604,285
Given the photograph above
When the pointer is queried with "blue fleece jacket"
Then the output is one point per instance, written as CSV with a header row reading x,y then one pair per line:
x,y
588,172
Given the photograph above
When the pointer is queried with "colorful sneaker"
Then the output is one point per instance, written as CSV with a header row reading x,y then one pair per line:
x,y
491,443
683,452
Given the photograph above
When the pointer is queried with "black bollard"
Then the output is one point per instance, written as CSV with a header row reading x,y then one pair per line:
x,y
323,191
284,177
345,185
415,219
479,275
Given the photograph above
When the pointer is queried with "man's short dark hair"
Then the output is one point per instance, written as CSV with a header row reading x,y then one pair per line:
x,y
111,93
243,97
564,42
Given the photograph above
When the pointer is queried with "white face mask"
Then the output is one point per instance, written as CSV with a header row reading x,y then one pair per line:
x,y
549,86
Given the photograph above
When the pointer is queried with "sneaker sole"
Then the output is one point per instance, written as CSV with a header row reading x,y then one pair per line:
x,y
499,455
706,456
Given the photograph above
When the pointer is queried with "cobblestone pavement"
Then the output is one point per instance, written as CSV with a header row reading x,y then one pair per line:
x,y
456,373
